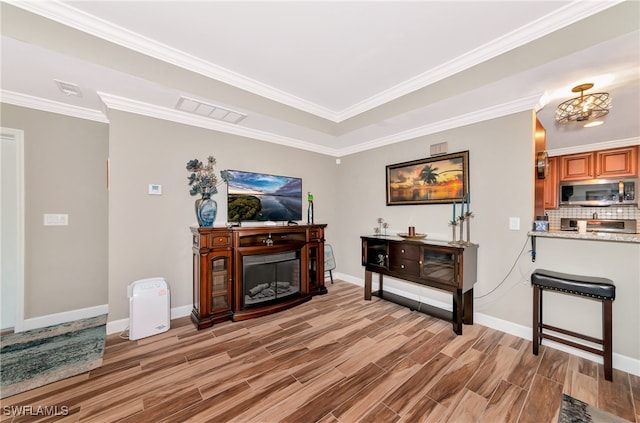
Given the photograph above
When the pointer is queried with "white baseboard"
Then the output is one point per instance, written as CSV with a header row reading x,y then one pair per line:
x,y
181,311
620,362
348,278
118,326
64,317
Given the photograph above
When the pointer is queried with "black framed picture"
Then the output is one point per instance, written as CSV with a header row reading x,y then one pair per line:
x,y
434,180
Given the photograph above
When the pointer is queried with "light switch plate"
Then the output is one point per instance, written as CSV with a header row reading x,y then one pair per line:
x,y
514,223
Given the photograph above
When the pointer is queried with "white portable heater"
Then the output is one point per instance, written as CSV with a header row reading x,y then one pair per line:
x,y
149,307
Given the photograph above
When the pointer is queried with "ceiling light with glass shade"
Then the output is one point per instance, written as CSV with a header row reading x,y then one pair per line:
x,y
584,108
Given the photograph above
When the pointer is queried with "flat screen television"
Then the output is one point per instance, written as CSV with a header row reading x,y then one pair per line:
x,y
260,197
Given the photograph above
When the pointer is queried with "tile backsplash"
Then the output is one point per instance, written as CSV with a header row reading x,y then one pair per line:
x,y
612,212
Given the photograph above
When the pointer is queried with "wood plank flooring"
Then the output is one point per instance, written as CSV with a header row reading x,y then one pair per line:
x,y
336,358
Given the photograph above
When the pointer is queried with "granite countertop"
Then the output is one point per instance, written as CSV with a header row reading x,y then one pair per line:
x,y
589,236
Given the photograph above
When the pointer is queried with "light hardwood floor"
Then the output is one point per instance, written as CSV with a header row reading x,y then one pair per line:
x,y
336,358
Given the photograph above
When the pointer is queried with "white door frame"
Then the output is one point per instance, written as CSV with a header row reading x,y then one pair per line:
x,y
17,136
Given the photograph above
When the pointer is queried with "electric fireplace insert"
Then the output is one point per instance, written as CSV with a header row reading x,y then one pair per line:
x,y
269,278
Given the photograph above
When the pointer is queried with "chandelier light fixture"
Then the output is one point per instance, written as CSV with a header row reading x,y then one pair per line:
x,y
584,108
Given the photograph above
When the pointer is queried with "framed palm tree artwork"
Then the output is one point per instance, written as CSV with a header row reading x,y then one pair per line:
x,y
434,180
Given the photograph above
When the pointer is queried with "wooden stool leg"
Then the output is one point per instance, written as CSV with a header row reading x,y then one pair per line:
x,y
607,338
537,310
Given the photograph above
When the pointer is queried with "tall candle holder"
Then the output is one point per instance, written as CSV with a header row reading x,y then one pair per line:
x,y
453,224
468,217
462,219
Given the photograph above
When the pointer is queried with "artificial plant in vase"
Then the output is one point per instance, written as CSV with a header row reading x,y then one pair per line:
x,y
204,182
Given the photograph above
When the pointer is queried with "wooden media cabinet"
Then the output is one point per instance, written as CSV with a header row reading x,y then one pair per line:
x,y
221,257
434,264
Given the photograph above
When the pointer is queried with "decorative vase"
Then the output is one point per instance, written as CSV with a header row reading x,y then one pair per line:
x,y
206,210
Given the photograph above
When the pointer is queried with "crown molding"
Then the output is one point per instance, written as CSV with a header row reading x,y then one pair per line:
x,y
625,142
24,100
150,110
70,16
520,105
172,115
565,16
145,109
90,24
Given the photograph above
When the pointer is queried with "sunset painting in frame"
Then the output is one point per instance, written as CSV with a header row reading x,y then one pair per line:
x,y
440,179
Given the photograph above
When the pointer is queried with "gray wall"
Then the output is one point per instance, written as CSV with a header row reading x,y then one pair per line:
x,y
65,172
149,235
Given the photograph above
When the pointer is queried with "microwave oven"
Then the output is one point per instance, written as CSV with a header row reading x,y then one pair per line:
x,y
599,192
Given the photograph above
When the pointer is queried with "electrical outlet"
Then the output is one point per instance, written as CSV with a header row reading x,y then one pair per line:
x,y
514,223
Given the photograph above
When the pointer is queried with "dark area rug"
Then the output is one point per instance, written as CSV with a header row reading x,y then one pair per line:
x,y
41,356
576,411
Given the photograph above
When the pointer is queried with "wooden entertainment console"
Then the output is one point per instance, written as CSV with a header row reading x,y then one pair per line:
x,y
435,264
218,255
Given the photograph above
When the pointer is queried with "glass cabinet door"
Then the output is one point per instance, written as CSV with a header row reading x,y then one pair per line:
x,y
219,283
313,266
439,265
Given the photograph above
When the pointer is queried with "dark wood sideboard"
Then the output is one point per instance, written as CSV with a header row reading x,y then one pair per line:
x,y
435,264
217,268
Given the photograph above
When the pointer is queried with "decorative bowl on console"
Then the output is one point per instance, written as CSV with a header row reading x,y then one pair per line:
x,y
414,236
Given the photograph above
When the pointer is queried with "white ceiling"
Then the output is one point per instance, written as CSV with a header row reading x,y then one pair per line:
x,y
333,77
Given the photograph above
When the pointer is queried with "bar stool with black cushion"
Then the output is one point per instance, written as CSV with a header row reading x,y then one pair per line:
x,y
601,289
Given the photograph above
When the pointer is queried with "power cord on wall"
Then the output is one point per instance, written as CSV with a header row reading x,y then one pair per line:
x,y
509,272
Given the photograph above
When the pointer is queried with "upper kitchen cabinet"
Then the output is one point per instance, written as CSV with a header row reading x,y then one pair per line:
x,y
617,162
577,166
612,163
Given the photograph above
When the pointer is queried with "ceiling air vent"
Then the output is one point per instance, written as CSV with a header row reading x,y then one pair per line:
x,y
68,88
197,107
